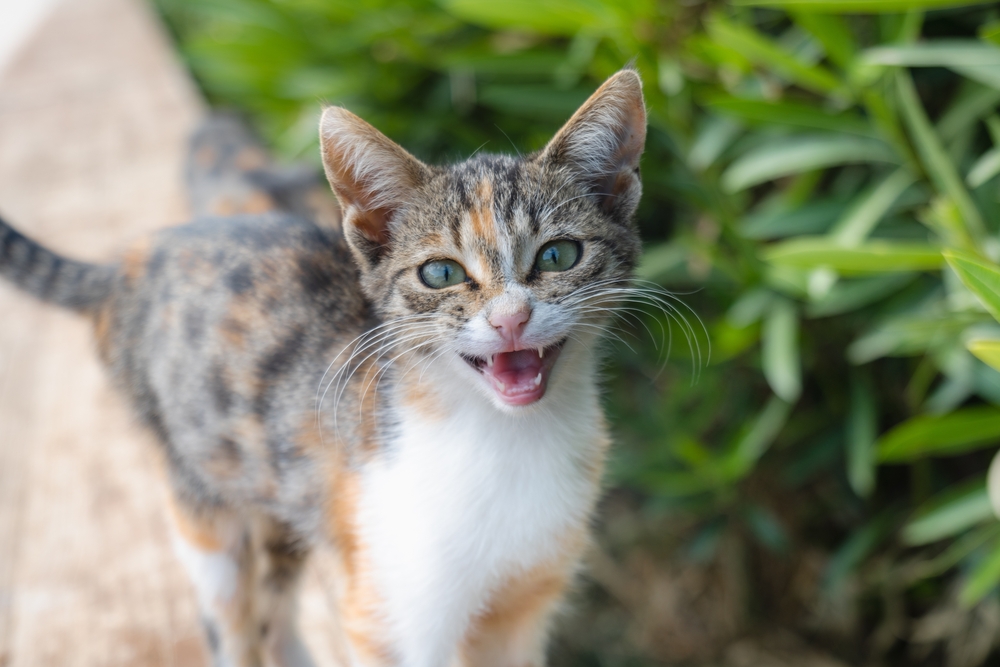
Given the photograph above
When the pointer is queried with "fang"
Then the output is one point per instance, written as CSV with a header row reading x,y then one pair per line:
x,y
489,361
541,352
538,379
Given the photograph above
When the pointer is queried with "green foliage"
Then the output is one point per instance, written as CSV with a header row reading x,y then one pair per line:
x,y
822,183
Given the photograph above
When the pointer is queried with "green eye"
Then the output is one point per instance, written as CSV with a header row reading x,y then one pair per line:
x,y
558,256
440,273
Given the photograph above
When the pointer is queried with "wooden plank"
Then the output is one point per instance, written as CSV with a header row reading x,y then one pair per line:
x,y
94,118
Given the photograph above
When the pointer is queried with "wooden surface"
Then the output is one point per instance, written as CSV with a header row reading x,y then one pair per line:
x,y
94,117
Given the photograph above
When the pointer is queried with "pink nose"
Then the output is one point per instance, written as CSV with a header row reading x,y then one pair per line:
x,y
510,325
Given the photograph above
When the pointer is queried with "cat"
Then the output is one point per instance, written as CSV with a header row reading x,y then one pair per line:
x,y
417,389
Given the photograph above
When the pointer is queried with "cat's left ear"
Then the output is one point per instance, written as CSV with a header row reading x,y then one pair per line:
x,y
602,143
373,178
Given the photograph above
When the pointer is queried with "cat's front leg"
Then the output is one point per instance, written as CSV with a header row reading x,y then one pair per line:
x,y
215,548
513,632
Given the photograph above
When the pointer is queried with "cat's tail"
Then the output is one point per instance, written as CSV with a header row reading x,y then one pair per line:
x,y
51,277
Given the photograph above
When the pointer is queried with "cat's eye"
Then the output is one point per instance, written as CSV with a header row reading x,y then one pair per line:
x,y
558,255
439,273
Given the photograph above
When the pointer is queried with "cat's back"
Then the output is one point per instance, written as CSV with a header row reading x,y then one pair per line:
x,y
219,332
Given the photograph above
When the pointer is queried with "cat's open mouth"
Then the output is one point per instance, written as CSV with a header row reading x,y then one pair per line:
x,y
518,377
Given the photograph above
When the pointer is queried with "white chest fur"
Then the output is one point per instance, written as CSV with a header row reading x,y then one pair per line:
x,y
462,502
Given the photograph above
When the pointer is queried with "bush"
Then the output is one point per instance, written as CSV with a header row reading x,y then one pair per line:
x,y
821,189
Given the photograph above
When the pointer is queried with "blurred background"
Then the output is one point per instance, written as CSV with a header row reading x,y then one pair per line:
x,y
803,437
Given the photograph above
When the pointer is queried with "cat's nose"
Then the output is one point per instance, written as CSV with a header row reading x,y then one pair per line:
x,y
510,325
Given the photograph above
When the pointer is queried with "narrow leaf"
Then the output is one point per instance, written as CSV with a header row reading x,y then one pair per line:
x,y
780,354
982,579
949,513
940,53
861,431
848,295
832,32
857,6
986,350
933,156
752,445
870,207
812,217
985,168
549,17
970,107
761,51
802,154
870,257
789,113
940,435
982,278
909,335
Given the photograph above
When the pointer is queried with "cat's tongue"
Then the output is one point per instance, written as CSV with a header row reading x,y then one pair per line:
x,y
520,377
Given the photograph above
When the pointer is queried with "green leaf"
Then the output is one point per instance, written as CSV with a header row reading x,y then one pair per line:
x,y
982,579
933,156
977,101
991,32
766,527
715,137
763,52
848,295
852,553
862,425
981,277
857,6
780,353
940,435
789,113
550,17
910,335
870,257
949,513
799,154
777,222
660,259
986,350
752,445
985,168
870,207
832,32
940,53
531,100
973,59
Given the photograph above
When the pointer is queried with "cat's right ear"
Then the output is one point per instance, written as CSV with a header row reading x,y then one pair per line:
x,y
372,176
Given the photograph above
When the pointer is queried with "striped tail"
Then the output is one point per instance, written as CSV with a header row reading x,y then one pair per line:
x,y
48,276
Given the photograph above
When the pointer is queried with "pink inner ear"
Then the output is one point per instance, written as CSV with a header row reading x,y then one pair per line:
x,y
374,224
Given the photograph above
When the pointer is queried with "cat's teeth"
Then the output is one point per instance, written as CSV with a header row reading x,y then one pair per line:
x,y
502,386
489,361
541,353
538,379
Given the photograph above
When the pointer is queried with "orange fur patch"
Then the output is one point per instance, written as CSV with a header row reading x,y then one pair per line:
x,y
102,332
134,260
419,397
257,202
359,603
197,529
483,225
251,158
512,629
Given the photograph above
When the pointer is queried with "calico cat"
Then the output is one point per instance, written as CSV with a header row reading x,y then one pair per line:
x,y
418,389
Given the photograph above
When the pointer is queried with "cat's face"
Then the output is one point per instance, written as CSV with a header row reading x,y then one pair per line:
x,y
498,264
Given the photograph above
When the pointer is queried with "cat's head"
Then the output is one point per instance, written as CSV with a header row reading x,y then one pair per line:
x,y
497,263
